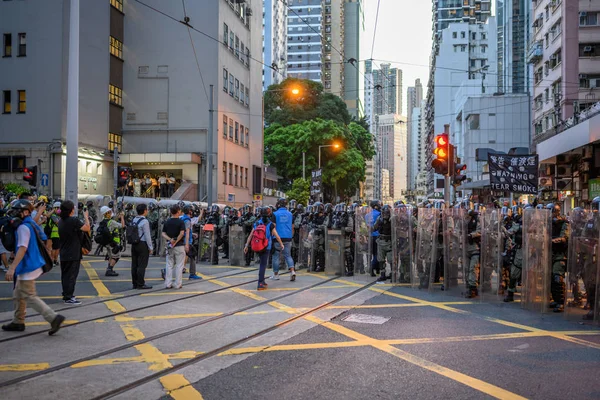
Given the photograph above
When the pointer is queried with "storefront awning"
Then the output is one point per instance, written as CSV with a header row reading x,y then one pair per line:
x,y
143,158
475,185
582,134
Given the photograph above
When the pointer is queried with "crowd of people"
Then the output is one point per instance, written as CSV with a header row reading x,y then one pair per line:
x,y
402,243
150,186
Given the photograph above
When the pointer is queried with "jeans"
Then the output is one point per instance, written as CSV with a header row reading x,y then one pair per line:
x,y
139,261
264,259
69,270
175,261
287,249
25,295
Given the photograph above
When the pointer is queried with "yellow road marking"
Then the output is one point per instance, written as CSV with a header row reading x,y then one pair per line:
x,y
395,305
95,280
171,293
179,388
151,355
115,306
184,355
23,367
132,333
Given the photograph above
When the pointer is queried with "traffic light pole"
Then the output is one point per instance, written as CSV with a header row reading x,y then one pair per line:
x,y
71,182
116,171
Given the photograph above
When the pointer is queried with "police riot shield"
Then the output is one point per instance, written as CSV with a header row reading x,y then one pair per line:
x,y
491,278
162,218
537,235
423,271
454,225
334,252
363,241
305,247
583,268
402,241
236,245
208,245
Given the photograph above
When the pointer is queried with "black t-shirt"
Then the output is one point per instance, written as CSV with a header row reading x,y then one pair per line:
x,y
173,227
70,240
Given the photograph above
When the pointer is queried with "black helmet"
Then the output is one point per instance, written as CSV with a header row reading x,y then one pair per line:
x,y
376,204
233,212
257,211
111,204
186,209
265,212
318,207
596,204
79,205
352,208
129,206
340,208
328,208
398,203
152,206
247,209
293,204
281,202
386,211
300,208
89,203
214,208
22,205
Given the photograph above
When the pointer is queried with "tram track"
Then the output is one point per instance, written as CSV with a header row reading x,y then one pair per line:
x,y
115,314
174,331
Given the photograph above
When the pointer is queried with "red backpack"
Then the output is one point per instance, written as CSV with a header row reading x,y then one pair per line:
x,y
259,241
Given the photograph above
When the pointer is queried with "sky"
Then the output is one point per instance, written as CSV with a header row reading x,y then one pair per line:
x,y
403,36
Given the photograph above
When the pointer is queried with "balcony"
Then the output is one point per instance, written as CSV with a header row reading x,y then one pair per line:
x,y
536,52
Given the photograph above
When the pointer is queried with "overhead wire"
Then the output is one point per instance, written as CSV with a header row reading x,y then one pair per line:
x,y
186,20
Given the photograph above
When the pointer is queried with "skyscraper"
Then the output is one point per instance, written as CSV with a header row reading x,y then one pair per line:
x,y
387,90
353,18
274,42
414,97
514,19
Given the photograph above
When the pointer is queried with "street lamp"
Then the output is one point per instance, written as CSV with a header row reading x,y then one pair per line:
x,y
335,146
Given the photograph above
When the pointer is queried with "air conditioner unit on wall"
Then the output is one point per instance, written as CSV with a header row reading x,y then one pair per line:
x,y
583,14
588,49
583,76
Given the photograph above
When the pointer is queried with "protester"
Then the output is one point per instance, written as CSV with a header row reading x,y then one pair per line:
x,y
173,232
70,229
140,252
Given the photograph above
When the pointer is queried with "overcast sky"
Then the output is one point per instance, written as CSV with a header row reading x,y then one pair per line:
x,y
403,35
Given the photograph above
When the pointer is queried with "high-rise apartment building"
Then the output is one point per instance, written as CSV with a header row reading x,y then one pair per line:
x,y
316,42
35,51
414,96
353,85
274,42
387,93
392,143
514,21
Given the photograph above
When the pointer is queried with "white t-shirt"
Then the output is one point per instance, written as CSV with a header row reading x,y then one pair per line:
x,y
162,180
24,235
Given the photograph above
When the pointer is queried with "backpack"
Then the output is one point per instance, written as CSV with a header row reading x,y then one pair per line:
x,y
8,226
103,236
131,232
259,241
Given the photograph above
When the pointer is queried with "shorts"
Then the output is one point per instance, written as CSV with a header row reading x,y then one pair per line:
x,y
55,243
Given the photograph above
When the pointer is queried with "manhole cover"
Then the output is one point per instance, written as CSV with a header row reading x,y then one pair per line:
x,y
365,319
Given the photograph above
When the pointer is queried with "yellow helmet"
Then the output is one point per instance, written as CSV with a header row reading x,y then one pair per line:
x,y
43,198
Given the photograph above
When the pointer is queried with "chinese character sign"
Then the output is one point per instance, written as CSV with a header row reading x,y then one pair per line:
x,y
515,174
315,187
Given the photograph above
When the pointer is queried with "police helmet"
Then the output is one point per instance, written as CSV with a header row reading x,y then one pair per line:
x,y
21,205
300,208
214,209
186,209
257,211
56,204
376,204
507,212
281,202
247,209
152,206
89,203
398,203
596,204
265,211
129,206
293,204
318,207
328,208
79,205
233,212
386,211
111,204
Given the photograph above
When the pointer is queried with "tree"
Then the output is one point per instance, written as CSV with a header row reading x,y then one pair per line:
x,y
300,191
285,108
343,169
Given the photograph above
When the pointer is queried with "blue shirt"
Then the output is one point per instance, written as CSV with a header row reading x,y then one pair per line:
x,y
370,219
269,227
33,258
283,223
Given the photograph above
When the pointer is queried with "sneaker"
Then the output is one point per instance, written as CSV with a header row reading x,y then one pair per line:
x,y
144,287
274,277
73,301
184,271
12,327
169,287
262,286
194,276
55,324
293,277
110,272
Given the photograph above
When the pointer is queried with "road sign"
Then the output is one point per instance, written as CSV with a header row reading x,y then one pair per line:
x,y
44,180
258,197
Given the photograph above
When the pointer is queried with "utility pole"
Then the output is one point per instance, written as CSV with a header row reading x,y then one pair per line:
x,y
209,150
116,171
71,189
450,167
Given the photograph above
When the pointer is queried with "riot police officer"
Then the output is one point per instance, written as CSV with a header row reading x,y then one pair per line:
x,y
383,226
514,254
590,273
473,252
298,210
247,222
560,236
318,226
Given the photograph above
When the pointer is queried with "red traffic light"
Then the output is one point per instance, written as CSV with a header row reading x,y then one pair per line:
x,y
30,175
441,140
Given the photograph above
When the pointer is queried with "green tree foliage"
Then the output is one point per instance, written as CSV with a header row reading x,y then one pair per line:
x,y
300,191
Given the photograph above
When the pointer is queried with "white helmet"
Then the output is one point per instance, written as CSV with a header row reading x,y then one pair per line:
x,y
56,204
105,210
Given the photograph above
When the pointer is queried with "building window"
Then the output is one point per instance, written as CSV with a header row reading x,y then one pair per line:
x,y
225,34
237,46
116,48
242,94
225,79
247,97
230,173
242,134
115,95
589,19
22,102
224,173
236,175
462,35
246,179
247,138
242,52
115,141
463,48
483,48
22,45
7,45
247,56
7,102
473,121
237,89
231,40
237,131
230,129
224,126
454,35
118,4
231,80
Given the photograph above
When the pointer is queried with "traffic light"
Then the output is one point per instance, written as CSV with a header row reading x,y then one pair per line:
x,y
124,173
30,175
457,178
442,151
